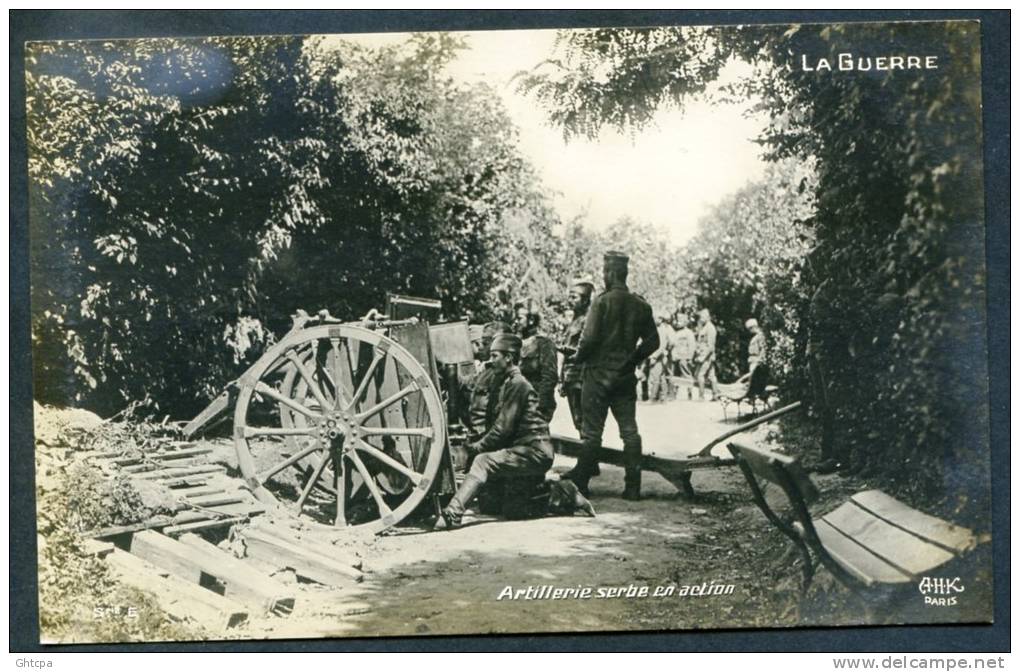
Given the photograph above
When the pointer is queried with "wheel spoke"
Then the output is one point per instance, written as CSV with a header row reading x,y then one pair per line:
x,y
338,391
394,398
365,379
252,432
340,485
384,510
316,473
396,465
274,470
307,375
397,431
262,388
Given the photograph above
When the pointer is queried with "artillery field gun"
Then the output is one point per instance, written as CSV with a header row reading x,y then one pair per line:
x,y
346,423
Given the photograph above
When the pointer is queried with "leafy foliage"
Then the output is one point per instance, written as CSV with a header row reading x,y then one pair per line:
x,y
745,262
899,248
188,195
73,583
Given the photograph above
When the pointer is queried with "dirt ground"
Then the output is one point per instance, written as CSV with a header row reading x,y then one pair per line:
x,y
432,583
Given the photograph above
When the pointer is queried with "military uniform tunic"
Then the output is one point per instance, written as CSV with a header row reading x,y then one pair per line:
x,y
755,351
518,440
538,364
619,332
570,375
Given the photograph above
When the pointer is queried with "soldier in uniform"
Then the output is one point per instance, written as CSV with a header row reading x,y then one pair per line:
x,y
538,360
619,334
481,397
517,443
658,363
704,355
570,374
756,349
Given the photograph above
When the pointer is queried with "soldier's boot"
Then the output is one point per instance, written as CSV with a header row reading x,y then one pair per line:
x,y
581,503
632,484
593,471
580,475
453,513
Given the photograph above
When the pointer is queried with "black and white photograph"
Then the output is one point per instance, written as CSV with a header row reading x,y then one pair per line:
x,y
411,334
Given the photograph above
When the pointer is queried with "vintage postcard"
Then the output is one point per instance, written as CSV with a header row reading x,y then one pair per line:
x,y
552,331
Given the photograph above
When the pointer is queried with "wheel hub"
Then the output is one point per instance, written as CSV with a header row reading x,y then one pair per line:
x,y
336,426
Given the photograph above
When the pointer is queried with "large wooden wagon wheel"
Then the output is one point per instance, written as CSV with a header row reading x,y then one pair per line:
x,y
342,425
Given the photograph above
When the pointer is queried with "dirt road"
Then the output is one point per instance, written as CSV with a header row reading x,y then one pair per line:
x,y
468,580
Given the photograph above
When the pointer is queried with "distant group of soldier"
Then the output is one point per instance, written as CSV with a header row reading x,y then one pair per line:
x,y
611,341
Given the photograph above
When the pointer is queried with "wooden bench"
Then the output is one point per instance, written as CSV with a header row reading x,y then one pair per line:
x,y
873,544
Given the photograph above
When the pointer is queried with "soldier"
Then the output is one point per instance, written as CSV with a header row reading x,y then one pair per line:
x,y
517,443
756,349
609,350
538,360
683,348
704,354
481,397
683,352
658,363
570,375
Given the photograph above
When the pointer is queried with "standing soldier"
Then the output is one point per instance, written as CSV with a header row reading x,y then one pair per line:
x,y
538,361
619,334
756,349
570,375
658,363
704,354
683,352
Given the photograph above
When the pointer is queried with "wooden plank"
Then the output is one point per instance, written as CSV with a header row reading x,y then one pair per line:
x,y
304,561
202,490
210,501
768,417
189,516
573,447
243,582
902,549
162,455
774,466
174,454
201,479
213,412
125,461
939,532
179,598
117,530
98,548
191,557
312,540
866,567
164,552
154,464
179,472
175,530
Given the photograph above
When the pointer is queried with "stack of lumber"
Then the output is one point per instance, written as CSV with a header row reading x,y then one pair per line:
x,y
278,546
207,496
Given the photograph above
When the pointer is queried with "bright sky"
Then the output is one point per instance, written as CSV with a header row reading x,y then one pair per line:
x,y
668,175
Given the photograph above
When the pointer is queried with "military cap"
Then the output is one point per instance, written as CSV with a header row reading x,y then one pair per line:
x,y
475,332
493,328
506,343
583,282
615,259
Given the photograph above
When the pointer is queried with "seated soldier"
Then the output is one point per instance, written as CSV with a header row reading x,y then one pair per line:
x,y
517,444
